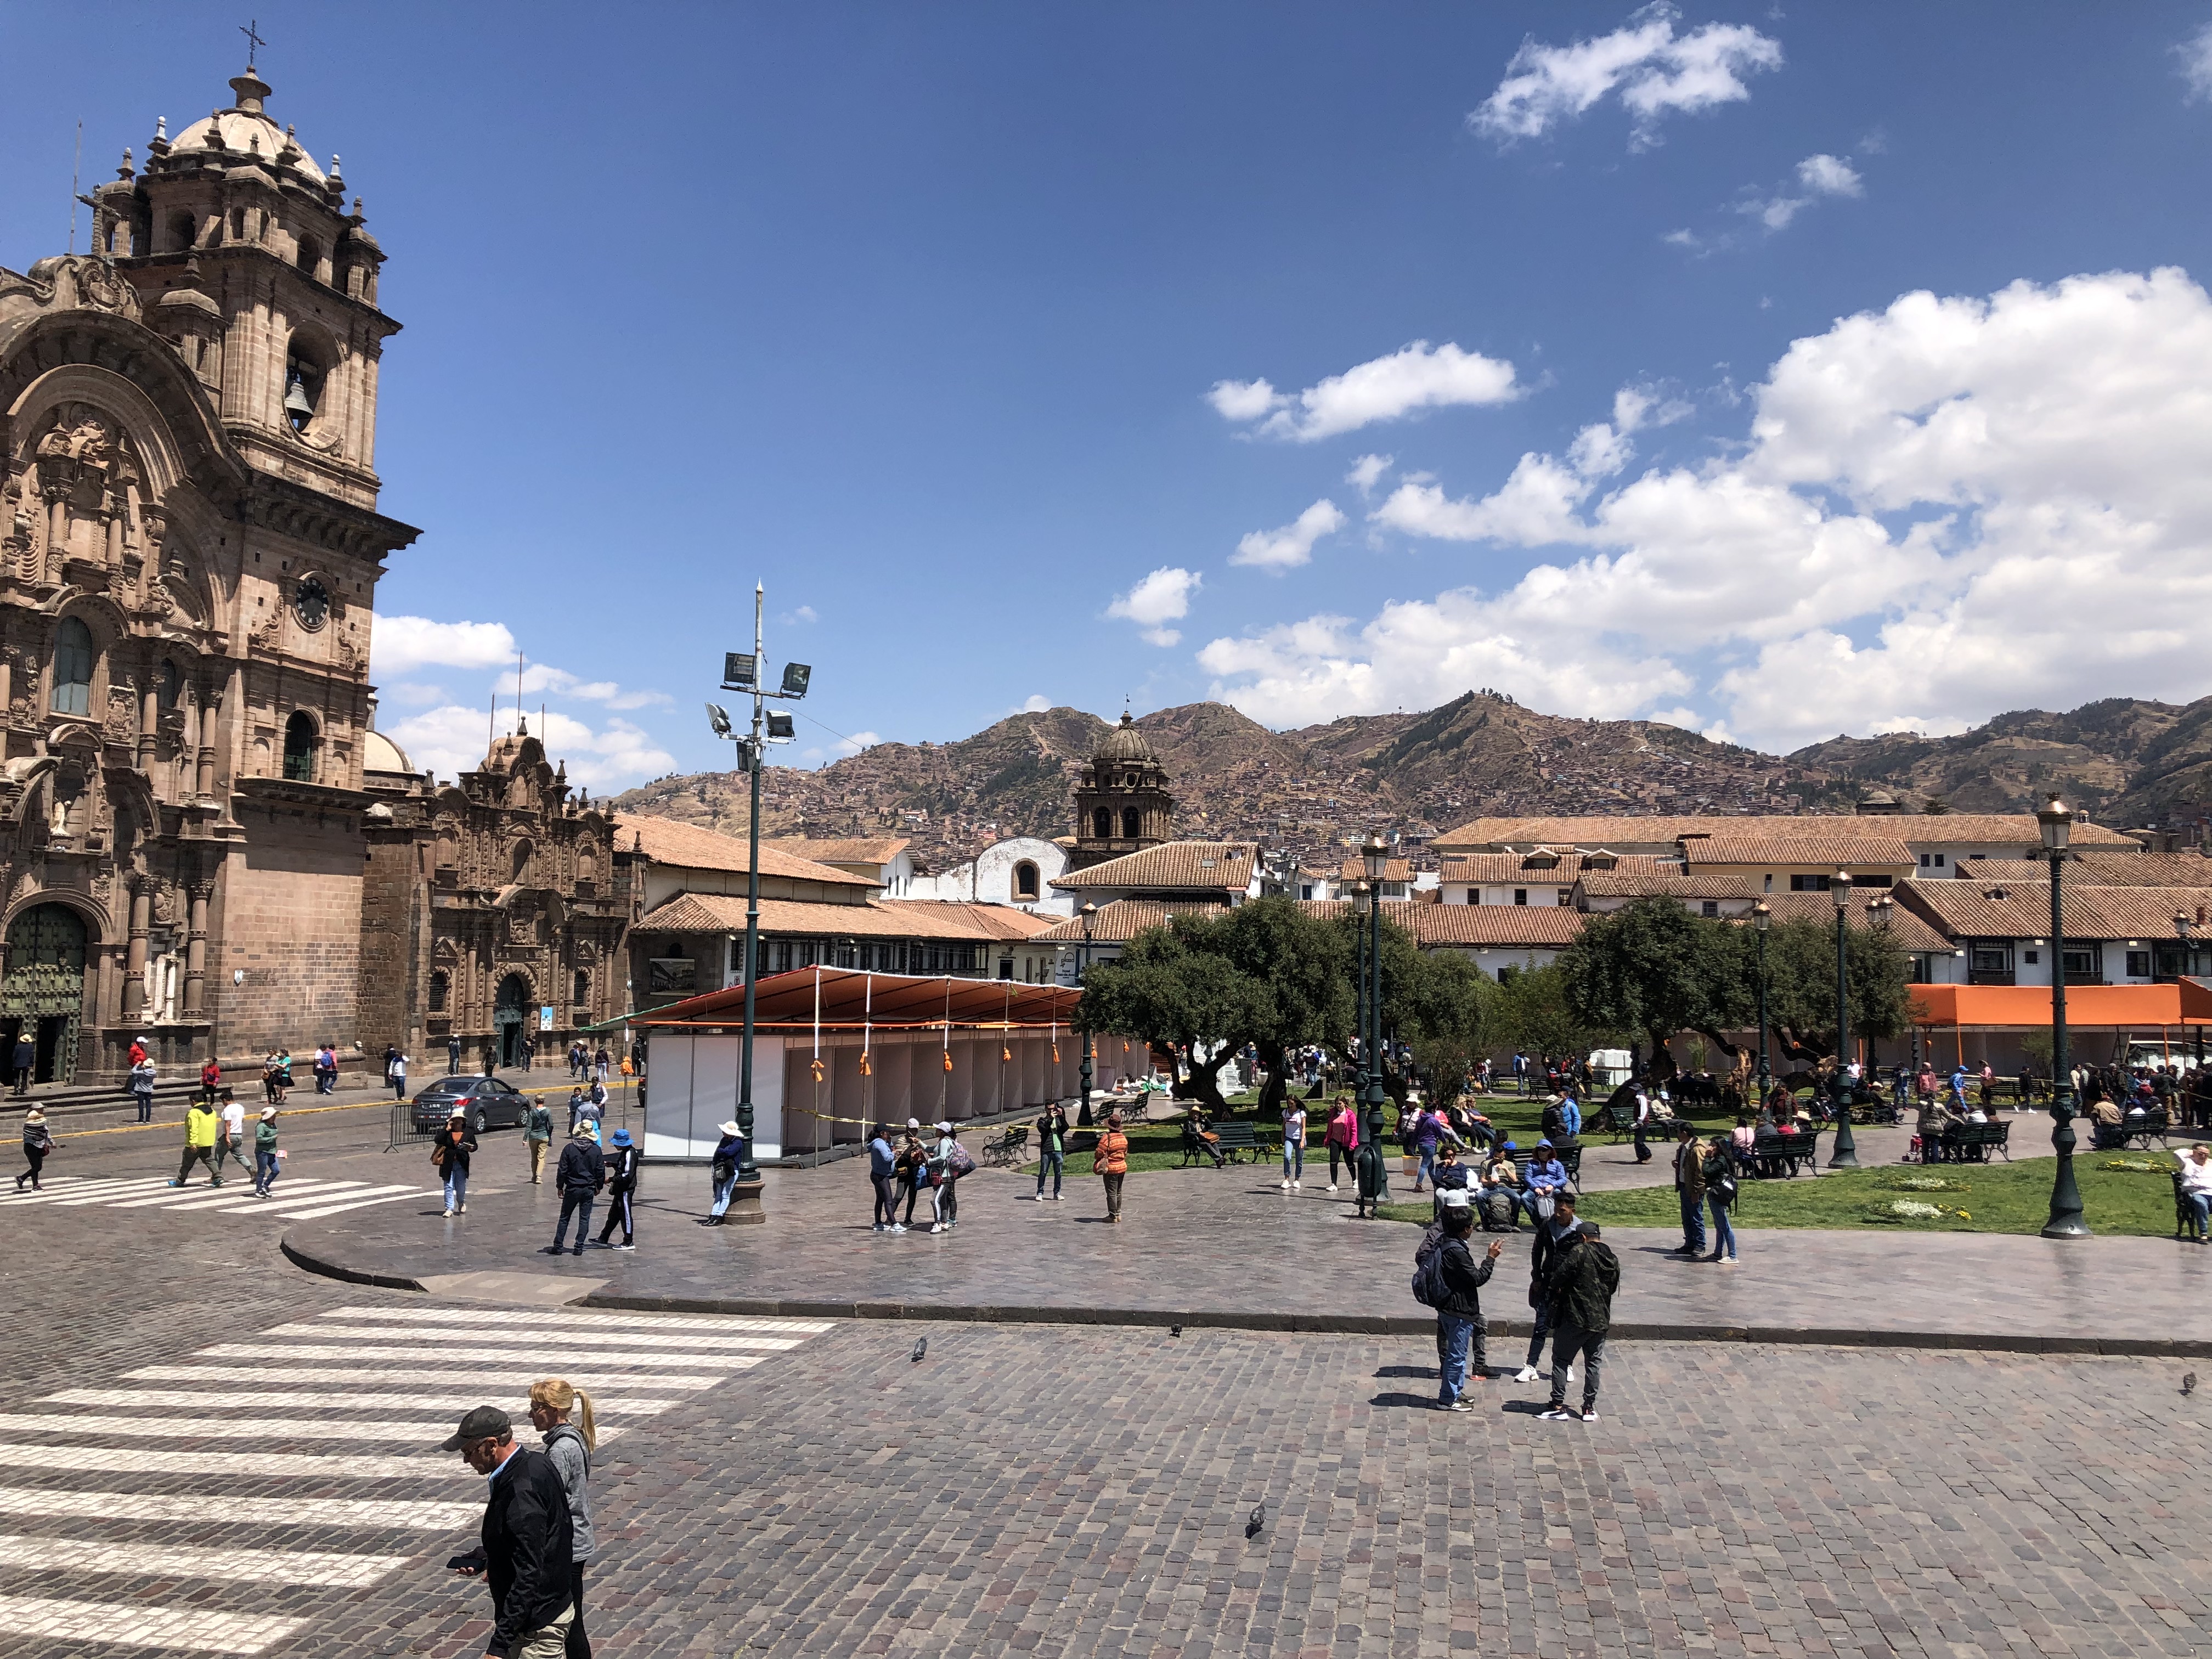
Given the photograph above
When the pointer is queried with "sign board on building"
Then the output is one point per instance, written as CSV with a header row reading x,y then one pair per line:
x,y
545,1017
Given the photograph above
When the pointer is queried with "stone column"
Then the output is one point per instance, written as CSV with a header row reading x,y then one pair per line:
x,y
56,525
114,520
205,785
196,952
149,717
134,964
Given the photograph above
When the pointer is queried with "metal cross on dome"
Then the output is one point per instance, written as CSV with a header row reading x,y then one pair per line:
x,y
254,40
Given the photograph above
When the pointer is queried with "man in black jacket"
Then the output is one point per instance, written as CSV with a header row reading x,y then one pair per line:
x,y
1579,1287
580,1174
1460,1276
527,1539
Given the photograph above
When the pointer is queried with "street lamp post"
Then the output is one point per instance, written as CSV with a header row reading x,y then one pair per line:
x,y
1762,917
741,673
1846,1153
1090,914
2055,824
1375,855
2181,931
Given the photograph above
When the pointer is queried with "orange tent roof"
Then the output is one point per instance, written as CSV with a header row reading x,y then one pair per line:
x,y
851,997
2117,1007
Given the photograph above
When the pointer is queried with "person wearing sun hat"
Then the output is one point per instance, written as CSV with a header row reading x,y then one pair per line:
x,y
266,1168
729,1158
622,1190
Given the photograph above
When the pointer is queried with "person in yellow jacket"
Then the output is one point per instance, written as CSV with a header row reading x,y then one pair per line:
x,y
202,1120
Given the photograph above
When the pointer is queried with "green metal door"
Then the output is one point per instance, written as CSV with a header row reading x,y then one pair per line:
x,y
44,984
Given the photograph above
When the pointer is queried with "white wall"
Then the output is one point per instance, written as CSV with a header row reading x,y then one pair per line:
x,y
988,877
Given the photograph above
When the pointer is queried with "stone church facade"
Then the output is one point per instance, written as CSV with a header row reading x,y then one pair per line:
x,y
189,550
490,901
1122,802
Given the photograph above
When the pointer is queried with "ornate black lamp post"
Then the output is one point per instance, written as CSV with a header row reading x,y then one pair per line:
x,y
2057,824
1762,917
1375,855
1846,1153
2181,931
1090,914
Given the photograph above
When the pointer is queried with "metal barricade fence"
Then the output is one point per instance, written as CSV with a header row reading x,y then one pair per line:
x,y
405,1129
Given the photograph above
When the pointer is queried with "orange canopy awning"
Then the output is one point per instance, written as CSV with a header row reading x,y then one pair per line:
x,y
832,997
2118,1007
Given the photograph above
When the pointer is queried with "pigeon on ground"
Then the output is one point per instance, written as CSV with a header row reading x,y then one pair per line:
x,y
1258,1522
2187,1382
1175,1330
921,1347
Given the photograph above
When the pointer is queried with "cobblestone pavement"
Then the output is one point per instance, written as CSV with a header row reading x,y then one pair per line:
x,y
1055,1490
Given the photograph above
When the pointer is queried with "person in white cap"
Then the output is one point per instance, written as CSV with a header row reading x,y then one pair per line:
x,y
729,1157
944,1194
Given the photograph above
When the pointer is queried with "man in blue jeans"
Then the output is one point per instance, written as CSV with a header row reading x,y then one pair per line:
x,y
580,1174
1690,1188
1460,1277
1051,1150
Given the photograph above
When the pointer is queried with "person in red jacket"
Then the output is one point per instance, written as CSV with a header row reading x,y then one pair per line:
x,y
211,1079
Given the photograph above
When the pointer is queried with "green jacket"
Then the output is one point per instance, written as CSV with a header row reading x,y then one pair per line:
x,y
539,1126
264,1135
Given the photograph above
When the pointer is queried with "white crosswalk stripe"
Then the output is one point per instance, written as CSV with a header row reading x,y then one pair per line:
x,y
294,1198
273,1411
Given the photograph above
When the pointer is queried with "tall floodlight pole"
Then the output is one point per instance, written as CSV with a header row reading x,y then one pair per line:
x,y
1375,856
1846,1154
742,672
2055,824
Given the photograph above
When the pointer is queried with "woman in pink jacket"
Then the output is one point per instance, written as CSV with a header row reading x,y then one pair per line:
x,y
1342,1139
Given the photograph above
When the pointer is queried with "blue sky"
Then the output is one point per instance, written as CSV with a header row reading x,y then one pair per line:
x,y
951,325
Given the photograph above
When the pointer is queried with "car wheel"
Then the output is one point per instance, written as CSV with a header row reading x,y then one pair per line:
x,y
484,1122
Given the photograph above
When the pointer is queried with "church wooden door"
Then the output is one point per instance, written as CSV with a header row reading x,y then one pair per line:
x,y
43,990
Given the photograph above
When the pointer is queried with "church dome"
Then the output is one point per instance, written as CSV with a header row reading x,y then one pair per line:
x,y
246,129
379,754
1125,744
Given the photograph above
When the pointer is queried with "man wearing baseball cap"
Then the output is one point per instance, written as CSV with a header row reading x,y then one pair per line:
x,y
622,1191
527,1538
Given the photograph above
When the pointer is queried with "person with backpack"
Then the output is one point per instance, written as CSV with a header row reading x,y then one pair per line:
x,y
1579,1286
1720,1195
729,1158
1551,1234
142,1088
1111,1161
450,1152
621,1192
1447,1278
948,1161
562,1415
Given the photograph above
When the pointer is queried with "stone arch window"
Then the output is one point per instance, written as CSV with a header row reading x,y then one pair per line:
x,y
302,740
522,856
449,850
238,224
441,987
583,988
184,232
1102,824
73,661
169,685
1025,881
1132,823
587,861
306,370
309,257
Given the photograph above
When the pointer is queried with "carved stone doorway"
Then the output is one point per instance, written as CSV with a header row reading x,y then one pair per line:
x,y
509,1019
43,990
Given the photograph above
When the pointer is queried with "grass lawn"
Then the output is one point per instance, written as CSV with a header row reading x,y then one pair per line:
x,y
1984,1198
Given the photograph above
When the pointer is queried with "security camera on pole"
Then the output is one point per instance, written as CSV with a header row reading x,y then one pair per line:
x,y
741,673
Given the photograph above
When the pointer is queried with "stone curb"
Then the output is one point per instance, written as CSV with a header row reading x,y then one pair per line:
x,y
1314,1324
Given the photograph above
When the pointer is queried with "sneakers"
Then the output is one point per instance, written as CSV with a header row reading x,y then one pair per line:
x,y
1589,1413
1286,1186
897,1228
1557,1414
1332,1186
1296,1185
1455,1406
449,1215
937,1226
464,1209
877,1228
552,1249
579,1250
625,1247
1527,1374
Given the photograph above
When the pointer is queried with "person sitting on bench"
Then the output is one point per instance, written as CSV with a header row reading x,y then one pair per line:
x,y
1197,1138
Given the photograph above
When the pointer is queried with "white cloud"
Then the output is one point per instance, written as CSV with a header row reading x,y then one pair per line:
x,y
1654,71
1389,388
1818,176
1161,598
1635,407
412,696
1941,510
1036,704
400,645
1292,546
543,677
804,613
452,739
2196,54
1366,472
857,741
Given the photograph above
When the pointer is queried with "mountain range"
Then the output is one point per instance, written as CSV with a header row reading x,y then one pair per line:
x,y
2127,762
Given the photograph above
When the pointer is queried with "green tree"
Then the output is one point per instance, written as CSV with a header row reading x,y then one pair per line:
x,y
1801,965
1653,968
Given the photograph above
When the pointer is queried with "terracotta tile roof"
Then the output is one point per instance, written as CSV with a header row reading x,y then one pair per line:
x,y
666,841
1392,870
1500,925
1514,869
1124,919
715,913
1909,929
2021,909
1485,835
2101,868
881,849
1884,851
996,921
1195,866
1673,883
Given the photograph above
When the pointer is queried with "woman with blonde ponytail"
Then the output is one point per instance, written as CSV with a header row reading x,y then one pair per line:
x,y
563,1415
